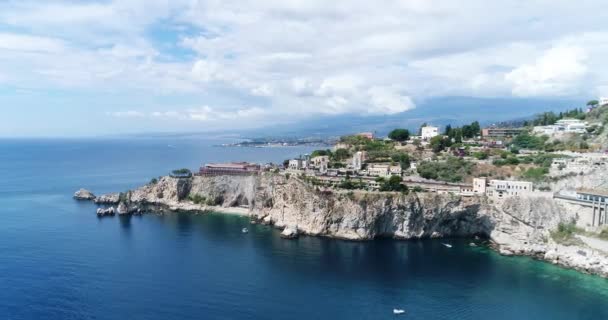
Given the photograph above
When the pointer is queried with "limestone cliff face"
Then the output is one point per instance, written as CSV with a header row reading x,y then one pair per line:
x,y
518,226
366,215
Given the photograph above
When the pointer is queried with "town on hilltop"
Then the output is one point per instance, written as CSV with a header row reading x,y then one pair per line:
x,y
495,161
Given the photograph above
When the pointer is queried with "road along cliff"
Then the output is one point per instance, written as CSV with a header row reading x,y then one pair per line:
x,y
515,226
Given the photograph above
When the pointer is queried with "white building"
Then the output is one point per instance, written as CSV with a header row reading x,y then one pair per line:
x,y
563,125
359,159
383,170
296,164
505,188
548,130
603,101
479,185
429,132
572,125
320,163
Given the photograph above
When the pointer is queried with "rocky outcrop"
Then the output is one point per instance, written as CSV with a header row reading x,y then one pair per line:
x,y
102,212
289,232
516,226
111,198
84,194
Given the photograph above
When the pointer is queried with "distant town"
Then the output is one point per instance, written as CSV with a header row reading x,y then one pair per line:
x,y
498,162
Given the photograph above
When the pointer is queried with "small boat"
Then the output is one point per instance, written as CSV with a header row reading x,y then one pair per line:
x,y
447,245
398,311
245,230
472,244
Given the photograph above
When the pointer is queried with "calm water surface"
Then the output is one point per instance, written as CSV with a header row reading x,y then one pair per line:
x,y
58,261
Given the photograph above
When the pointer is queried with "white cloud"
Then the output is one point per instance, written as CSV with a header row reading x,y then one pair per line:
x,y
387,101
295,59
28,43
558,72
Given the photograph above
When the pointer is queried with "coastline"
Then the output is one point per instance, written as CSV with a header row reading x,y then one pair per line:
x,y
515,227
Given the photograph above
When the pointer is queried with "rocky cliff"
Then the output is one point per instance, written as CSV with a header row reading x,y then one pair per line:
x,y
516,226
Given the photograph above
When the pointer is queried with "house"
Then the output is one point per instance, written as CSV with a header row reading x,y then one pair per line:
x,y
505,188
233,168
359,159
603,101
429,132
296,164
321,163
590,195
479,185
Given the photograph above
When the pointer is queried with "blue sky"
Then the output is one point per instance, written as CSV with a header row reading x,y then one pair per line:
x,y
85,68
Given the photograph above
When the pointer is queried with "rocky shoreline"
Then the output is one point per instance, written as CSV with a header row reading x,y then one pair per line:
x,y
518,226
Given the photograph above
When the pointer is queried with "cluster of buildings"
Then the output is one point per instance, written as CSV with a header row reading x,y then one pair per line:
x,y
563,126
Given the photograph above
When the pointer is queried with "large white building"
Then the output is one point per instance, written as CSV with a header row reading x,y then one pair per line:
x,y
506,188
563,125
429,132
501,188
603,101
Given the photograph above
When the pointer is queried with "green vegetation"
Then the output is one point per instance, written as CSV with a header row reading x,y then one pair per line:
x,y
402,158
153,181
481,155
592,103
527,141
350,184
319,153
452,170
548,118
439,143
341,154
181,172
535,174
467,131
399,135
392,184
565,234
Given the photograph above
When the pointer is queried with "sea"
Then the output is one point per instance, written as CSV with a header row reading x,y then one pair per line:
x,y
59,261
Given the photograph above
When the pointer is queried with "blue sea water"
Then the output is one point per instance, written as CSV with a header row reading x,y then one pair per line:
x,y
59,261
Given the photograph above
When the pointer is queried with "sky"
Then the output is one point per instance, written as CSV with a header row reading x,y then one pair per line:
x,y
86,68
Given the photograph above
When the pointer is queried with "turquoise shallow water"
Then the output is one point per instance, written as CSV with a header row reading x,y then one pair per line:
x,y
58,261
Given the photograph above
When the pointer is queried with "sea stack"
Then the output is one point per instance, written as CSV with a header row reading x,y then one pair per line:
x,y
84,194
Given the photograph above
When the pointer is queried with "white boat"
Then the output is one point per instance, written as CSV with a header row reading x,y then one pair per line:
x,y
472,244
447,245
245,230
398,311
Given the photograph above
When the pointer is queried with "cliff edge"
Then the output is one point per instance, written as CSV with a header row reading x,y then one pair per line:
x,y
516,226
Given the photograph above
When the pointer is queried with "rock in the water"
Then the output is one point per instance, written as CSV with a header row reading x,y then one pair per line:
x,y
101,212
290,233
84,194
122,209
111,198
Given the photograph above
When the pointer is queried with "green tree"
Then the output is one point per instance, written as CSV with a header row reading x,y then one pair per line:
x,y
341,154
399,135
393,184
439,143
448,130
593,103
